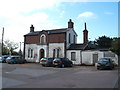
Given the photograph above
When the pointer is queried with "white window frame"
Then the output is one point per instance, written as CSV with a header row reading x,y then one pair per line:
x,y
44,39
73,56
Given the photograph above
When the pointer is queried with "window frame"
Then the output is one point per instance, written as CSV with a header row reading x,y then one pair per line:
x,y
73,56
43,39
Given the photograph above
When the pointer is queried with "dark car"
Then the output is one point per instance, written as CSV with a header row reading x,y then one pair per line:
x,y
3,59
15,60
62,62
105,63
46,61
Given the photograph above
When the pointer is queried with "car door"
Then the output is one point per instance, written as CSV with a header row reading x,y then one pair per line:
x,y
69,62
15,59
66,62
18,59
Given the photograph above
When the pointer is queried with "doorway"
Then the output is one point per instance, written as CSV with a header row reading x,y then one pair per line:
x,y
95,58
42,53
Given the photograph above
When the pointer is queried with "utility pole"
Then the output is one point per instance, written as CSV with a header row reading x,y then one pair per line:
x,y
2,39
20,52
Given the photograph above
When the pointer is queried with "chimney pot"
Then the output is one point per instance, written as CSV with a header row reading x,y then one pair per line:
x,y
32,28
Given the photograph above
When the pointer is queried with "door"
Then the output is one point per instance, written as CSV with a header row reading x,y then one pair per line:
x,y
95,58
41,53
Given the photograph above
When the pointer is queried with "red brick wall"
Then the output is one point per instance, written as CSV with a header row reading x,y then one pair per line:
x,y
52,38
32,39
56,38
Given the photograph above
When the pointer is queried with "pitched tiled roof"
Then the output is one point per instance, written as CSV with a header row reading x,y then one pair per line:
x,y
77,47
53,31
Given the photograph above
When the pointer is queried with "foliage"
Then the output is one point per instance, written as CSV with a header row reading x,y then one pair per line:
x,y
116,45
104,42
9,47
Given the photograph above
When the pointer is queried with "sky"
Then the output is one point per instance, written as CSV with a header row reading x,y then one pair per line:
x,y
16,16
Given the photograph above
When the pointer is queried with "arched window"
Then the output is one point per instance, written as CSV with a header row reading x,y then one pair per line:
x,y
53,53
58,53
30,53
43,39
69,38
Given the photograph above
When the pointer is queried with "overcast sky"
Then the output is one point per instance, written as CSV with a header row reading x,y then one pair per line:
x,y
16,16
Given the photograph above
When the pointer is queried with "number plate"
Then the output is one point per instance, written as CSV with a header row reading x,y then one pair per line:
x,y
103,63
55,63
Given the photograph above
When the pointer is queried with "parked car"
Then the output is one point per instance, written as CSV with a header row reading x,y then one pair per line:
x,y
15,59
46,61
105,63
62,62
3,59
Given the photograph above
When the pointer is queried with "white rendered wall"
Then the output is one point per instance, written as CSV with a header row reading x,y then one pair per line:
x,y
78,56
53,46
72,33
36,52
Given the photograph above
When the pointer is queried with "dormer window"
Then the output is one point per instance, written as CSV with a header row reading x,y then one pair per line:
x,y
43,39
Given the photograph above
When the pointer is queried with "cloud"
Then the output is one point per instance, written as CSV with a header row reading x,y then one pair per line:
x,y
16,23
25,5
87,15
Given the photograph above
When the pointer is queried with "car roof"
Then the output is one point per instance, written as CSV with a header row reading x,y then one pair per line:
x,y
14,56
105,58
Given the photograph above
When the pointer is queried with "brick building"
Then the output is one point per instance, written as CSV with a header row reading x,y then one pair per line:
x,y
49,43
62,43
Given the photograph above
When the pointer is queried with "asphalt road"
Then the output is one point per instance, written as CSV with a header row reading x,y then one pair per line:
x,y
35,76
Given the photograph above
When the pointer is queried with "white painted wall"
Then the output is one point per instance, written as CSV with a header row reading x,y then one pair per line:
x,y
72,33
36,52
31,46
53,46
87,56
78,56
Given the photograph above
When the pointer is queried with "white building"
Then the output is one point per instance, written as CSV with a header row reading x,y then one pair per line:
x,y
61,43
48,43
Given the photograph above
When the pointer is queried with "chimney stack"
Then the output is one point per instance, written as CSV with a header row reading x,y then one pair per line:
x,y
85,35
32,28
70,24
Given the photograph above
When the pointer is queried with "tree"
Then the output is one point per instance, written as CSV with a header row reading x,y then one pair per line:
x,y
116,46
9,47
104,42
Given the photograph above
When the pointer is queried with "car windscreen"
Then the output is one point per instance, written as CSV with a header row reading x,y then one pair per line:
x,y
104,60
44,59
50,59
57,59
5,57
11,58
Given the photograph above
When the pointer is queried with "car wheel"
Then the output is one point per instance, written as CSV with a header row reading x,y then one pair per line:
x,y
43,65
62,66
111,68
71,65
98,68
